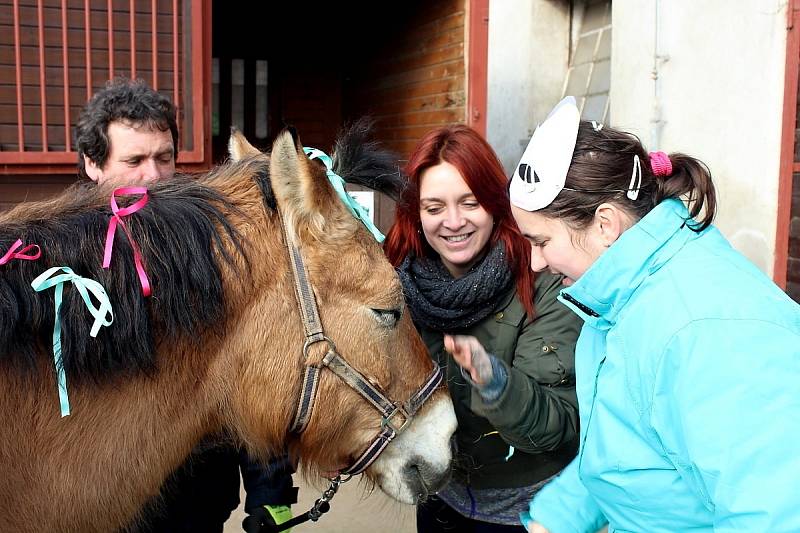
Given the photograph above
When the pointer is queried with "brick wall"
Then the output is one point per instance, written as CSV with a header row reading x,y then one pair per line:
x,y
414,81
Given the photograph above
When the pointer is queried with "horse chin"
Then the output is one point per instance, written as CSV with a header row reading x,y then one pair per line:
x,y
417,464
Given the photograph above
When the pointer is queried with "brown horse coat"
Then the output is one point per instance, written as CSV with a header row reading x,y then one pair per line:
x,y
216,347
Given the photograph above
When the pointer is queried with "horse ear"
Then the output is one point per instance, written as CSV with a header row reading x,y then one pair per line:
x,y
239,148
296,190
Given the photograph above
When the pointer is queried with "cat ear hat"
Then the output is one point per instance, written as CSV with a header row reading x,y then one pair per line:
x,y
542,171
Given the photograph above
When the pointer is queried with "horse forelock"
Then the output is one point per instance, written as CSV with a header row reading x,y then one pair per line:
x,y
187,241
361,161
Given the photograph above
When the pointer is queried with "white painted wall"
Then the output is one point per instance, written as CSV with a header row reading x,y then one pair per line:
x,y
528,56
721,91
721,99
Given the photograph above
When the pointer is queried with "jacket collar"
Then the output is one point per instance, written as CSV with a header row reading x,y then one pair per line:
x,y
603,290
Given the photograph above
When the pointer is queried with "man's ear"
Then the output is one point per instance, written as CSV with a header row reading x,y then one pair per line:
x,y
94,172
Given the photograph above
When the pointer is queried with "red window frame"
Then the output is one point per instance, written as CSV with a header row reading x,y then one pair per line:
x,y
191,92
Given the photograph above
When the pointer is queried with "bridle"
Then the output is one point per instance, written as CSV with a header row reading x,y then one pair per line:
x,y
333,361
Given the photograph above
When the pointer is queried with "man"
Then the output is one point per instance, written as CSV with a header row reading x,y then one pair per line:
x,y
128,134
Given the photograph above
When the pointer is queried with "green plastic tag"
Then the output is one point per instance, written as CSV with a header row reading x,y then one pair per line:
x,y
279,513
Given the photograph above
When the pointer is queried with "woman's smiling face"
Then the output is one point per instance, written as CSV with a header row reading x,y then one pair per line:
x,y
455,225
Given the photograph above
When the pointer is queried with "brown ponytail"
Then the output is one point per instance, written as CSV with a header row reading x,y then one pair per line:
x,y
691,180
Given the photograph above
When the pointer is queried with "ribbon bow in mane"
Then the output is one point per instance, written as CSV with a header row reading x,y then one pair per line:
x,y
338,185
100,312
116,220
12,253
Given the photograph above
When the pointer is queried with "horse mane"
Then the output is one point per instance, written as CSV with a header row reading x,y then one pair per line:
x,y
185,237
362,162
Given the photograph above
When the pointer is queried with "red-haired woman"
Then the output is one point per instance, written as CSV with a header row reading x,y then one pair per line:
x,y
505,342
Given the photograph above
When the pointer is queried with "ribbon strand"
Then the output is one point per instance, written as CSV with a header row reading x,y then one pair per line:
x,y
338,185
12,253
102,313
116,220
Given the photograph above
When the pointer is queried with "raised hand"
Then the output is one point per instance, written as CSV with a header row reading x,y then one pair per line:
x,y
471,356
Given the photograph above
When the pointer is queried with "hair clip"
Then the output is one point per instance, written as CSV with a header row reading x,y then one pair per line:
x,y
636,178
597,126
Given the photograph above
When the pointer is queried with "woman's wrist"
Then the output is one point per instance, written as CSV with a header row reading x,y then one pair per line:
x,y
494,387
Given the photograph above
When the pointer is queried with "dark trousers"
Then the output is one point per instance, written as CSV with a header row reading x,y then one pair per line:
x,y
435,516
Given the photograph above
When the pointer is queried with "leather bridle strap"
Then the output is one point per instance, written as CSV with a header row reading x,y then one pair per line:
x,y
314,333
312,325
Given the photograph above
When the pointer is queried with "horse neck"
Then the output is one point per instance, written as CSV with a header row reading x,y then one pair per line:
x,y
95,469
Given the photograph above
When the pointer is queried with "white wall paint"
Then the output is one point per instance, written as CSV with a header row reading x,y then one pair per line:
x,y
528,55
721,99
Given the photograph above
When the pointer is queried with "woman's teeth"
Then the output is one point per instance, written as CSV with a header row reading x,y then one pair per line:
x,y
457,238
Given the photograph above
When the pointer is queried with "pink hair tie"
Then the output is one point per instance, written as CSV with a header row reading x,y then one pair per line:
x,y
116,220
12,253
660,163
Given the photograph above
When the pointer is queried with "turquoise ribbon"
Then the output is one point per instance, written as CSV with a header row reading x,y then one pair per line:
x,y
99,312
338,185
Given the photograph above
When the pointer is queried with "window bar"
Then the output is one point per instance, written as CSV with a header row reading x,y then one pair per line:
x,y
20,128
68,141
175,64
133,39
110,40
154,41
42,94
88,32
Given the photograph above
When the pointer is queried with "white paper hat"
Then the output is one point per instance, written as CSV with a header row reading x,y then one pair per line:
x,y
542,171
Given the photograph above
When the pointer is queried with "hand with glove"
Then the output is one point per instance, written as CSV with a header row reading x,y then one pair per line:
x,y
481,369
264,519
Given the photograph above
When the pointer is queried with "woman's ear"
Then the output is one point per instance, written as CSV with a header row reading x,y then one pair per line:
x,y
610,222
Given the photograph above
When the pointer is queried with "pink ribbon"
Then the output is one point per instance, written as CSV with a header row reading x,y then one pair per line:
x,y
116,219
12,253
660,163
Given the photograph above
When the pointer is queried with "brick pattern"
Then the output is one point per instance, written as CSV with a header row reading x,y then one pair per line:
x,y
412,82
416,80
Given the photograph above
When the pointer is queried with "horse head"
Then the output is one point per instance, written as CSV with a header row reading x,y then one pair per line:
x,y
366,328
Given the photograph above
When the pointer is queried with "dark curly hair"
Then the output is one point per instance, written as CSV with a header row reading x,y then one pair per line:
x,y
129,101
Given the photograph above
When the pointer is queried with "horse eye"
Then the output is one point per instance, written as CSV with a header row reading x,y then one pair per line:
x,y
387,317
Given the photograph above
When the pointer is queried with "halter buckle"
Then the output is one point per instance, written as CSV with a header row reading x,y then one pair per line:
x,y
387,420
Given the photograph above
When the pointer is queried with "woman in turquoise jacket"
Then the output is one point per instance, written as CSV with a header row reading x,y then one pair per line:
x,y
688,364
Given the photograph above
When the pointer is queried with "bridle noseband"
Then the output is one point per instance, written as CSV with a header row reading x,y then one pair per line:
x,y
314,332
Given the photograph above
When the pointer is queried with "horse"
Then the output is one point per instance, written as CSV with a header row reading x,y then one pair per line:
x,y
220,345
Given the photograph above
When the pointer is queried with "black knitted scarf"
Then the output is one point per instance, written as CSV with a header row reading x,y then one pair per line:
x,y
443,303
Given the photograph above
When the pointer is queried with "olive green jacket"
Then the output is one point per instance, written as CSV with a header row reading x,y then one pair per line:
x,y
537,412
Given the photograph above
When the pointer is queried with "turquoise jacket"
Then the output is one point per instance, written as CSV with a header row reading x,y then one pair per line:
x,y
688,383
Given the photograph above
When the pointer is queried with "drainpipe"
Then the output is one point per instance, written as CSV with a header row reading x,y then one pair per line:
x,y
656,121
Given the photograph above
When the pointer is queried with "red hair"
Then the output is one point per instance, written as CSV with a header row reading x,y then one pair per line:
x,y
466,150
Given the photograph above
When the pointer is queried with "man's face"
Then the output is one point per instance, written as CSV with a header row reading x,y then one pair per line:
x,y
136,155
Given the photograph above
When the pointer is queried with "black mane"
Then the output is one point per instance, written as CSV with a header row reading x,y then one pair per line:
x,y
182,233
